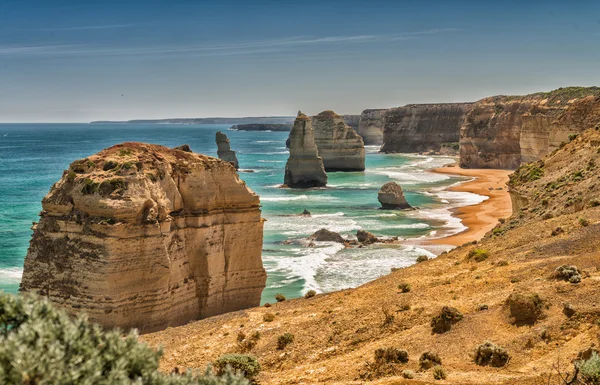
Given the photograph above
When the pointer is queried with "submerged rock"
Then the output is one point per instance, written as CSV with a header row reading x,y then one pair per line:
x,y
224,150
143,236
391,197
341,148
325,235
304,167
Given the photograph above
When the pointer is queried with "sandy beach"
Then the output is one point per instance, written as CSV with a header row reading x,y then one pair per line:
x,y
482,217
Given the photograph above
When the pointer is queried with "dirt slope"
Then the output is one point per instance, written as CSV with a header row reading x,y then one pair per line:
x,y
335,334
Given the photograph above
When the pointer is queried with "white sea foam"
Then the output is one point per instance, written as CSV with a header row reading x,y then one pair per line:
x,y
304,226
265,141
11,275
372,149
270,161
286,198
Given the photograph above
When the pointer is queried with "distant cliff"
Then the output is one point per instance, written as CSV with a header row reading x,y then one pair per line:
x,y
423,127
143,236
262,127
245,120
340,147
505,131
351,120
370,126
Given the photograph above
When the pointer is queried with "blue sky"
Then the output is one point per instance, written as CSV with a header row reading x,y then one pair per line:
x,y
63,61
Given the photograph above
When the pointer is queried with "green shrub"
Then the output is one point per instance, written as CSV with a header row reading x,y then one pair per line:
x,y
479,255
429,360
491,354
439,373
241,364
391,355
284,340
568,273
269,317
572,137
404,287
42,345
279,297
408,374
584,222
422,258
590,369
443,322
310,294
525,308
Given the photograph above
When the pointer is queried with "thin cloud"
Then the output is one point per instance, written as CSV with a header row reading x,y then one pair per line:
x,y
220,49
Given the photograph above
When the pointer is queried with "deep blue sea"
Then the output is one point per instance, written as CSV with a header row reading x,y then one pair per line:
x,y
33,157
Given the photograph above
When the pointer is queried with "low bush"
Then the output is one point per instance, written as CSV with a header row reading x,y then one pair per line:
x,y
269,317
443,322
491,354
525,308
404,287
284,340
408,374
439,373
429,360
584,222
568,273
422,258
391,355
241,364
479,255
310,294
43,345
279,297
589,369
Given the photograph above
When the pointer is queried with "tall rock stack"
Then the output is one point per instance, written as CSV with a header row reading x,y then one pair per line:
x,y
143,236
370,126
304,167
224,151
341,148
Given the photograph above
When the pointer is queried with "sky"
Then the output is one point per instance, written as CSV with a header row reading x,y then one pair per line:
x,y
78,61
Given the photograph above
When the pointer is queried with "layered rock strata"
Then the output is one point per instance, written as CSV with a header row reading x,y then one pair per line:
x,y
352,120
423,127
143,236
341,148
224,150
304,167
262,127
370,126
392,197
505,131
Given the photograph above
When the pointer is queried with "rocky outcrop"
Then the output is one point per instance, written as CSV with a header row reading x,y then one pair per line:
x,y
224,150
143,236
304,167
391,197
352,120
325,235
505,131
366,237
341,148
370,126
261,127
423,127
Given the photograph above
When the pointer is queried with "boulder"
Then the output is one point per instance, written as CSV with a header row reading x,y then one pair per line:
x,y
147,237
224,150
366,237
391,197
325,235
341,148
304,167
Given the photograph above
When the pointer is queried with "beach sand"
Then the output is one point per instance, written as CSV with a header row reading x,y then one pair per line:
x,y
482,217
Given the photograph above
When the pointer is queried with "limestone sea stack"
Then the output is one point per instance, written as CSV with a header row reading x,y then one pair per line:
x,y
370,126
341,148
224,150
143,236
391,197
304,167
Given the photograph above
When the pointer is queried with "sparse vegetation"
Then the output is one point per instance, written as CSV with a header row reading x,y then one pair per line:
x,y
525,308
241,364
284,340
568,273
391,355
408,374
439,373
269,317
557,231
443,322
245,343
279,297
479,255
429,360
572,137
491,354
109,165
584,222
310,294
404,287
422,258
589,369
388,316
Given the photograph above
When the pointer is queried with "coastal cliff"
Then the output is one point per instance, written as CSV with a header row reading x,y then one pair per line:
x,y
143,236
351,120
370,126
224,151
304,167
262,127
505,131
423,127
340,147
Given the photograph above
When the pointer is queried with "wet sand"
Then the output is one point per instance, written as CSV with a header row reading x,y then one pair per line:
x,y
482,217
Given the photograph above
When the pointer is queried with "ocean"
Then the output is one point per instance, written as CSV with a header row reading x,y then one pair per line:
x,y
33,157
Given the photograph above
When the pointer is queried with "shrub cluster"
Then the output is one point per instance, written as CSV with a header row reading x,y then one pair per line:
x,y
525,308
310,294
444,321
42,345
284,340
479,255
241,364
279,297
568,273
422,258
429,360
404,287
391,355
491,354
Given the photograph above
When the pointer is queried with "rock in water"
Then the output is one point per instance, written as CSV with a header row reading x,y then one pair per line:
x,y
391,197
341,148
143,236
325,235
224,151
304,167
366,237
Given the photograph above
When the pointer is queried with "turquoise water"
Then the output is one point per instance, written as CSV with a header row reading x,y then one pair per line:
x,y
33,157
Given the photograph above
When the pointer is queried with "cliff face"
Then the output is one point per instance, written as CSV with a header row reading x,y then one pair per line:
x,y
351,120
370,126
423,127
262,127
504,131
304,167
224,150
340,147
145,236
